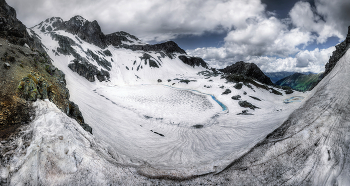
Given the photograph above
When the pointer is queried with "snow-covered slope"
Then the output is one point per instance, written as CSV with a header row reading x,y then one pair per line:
x,y
156,112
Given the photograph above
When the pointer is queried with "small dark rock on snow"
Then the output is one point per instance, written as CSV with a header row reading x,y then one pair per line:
x,y
238,86
237,97
246,104
227,91
245,112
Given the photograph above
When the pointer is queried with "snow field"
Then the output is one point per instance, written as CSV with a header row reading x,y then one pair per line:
x,y
126,113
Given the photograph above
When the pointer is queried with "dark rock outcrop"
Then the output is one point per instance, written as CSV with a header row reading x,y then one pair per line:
x,y
91,32
117,38
236,97
247,69
34,87
227,91
246,104
193,61
74,112
43,81
85,30
13,30
88,71
169,48
340,50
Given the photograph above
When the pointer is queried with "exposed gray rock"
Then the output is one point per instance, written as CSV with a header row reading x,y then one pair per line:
x,y
151,61
169,48
247,69
13,30
100,61
193,61
238,86
74,112
245,112
340,50
88,71
237,97
117,38
227,91
246,104
255,98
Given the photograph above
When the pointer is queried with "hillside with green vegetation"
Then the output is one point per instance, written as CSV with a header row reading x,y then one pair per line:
x,y
301,82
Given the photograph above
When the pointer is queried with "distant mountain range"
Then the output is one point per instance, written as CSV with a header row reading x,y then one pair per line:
x,y
301,82
275,76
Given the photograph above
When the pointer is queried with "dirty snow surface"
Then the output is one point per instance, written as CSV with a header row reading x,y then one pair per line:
x,y
172,129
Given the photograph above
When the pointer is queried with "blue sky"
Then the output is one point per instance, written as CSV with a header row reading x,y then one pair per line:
x,y
277,35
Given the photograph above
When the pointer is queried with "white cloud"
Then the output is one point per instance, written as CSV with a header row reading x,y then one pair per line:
x,y
149,19
274,46
254,35
262,37
303,61
266,36
306,19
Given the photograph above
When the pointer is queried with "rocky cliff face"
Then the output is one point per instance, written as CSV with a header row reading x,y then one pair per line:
x,y
339,52
13,30
26,75
247,69
193,61
90,32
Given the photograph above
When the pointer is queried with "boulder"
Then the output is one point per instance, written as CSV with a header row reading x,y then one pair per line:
x,y
246,104
227,91
237,97
247,69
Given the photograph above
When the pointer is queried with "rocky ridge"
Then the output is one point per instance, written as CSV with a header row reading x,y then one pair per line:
x,y
27,74
90,32
247,69
339,52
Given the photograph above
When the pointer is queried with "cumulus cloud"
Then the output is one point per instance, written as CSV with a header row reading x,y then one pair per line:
x,y
149,19
279,45
267,36
303,17
336,14
304,61
253,34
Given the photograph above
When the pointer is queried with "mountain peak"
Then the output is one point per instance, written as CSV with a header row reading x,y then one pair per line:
x,y
79,18
247,69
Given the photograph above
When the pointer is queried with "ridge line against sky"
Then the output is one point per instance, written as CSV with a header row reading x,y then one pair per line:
x,y
277,35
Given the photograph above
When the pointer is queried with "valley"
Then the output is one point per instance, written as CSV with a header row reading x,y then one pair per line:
x,y
110,109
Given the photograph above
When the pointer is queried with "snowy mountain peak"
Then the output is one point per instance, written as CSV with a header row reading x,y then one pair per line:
x,y
116,57
79,18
